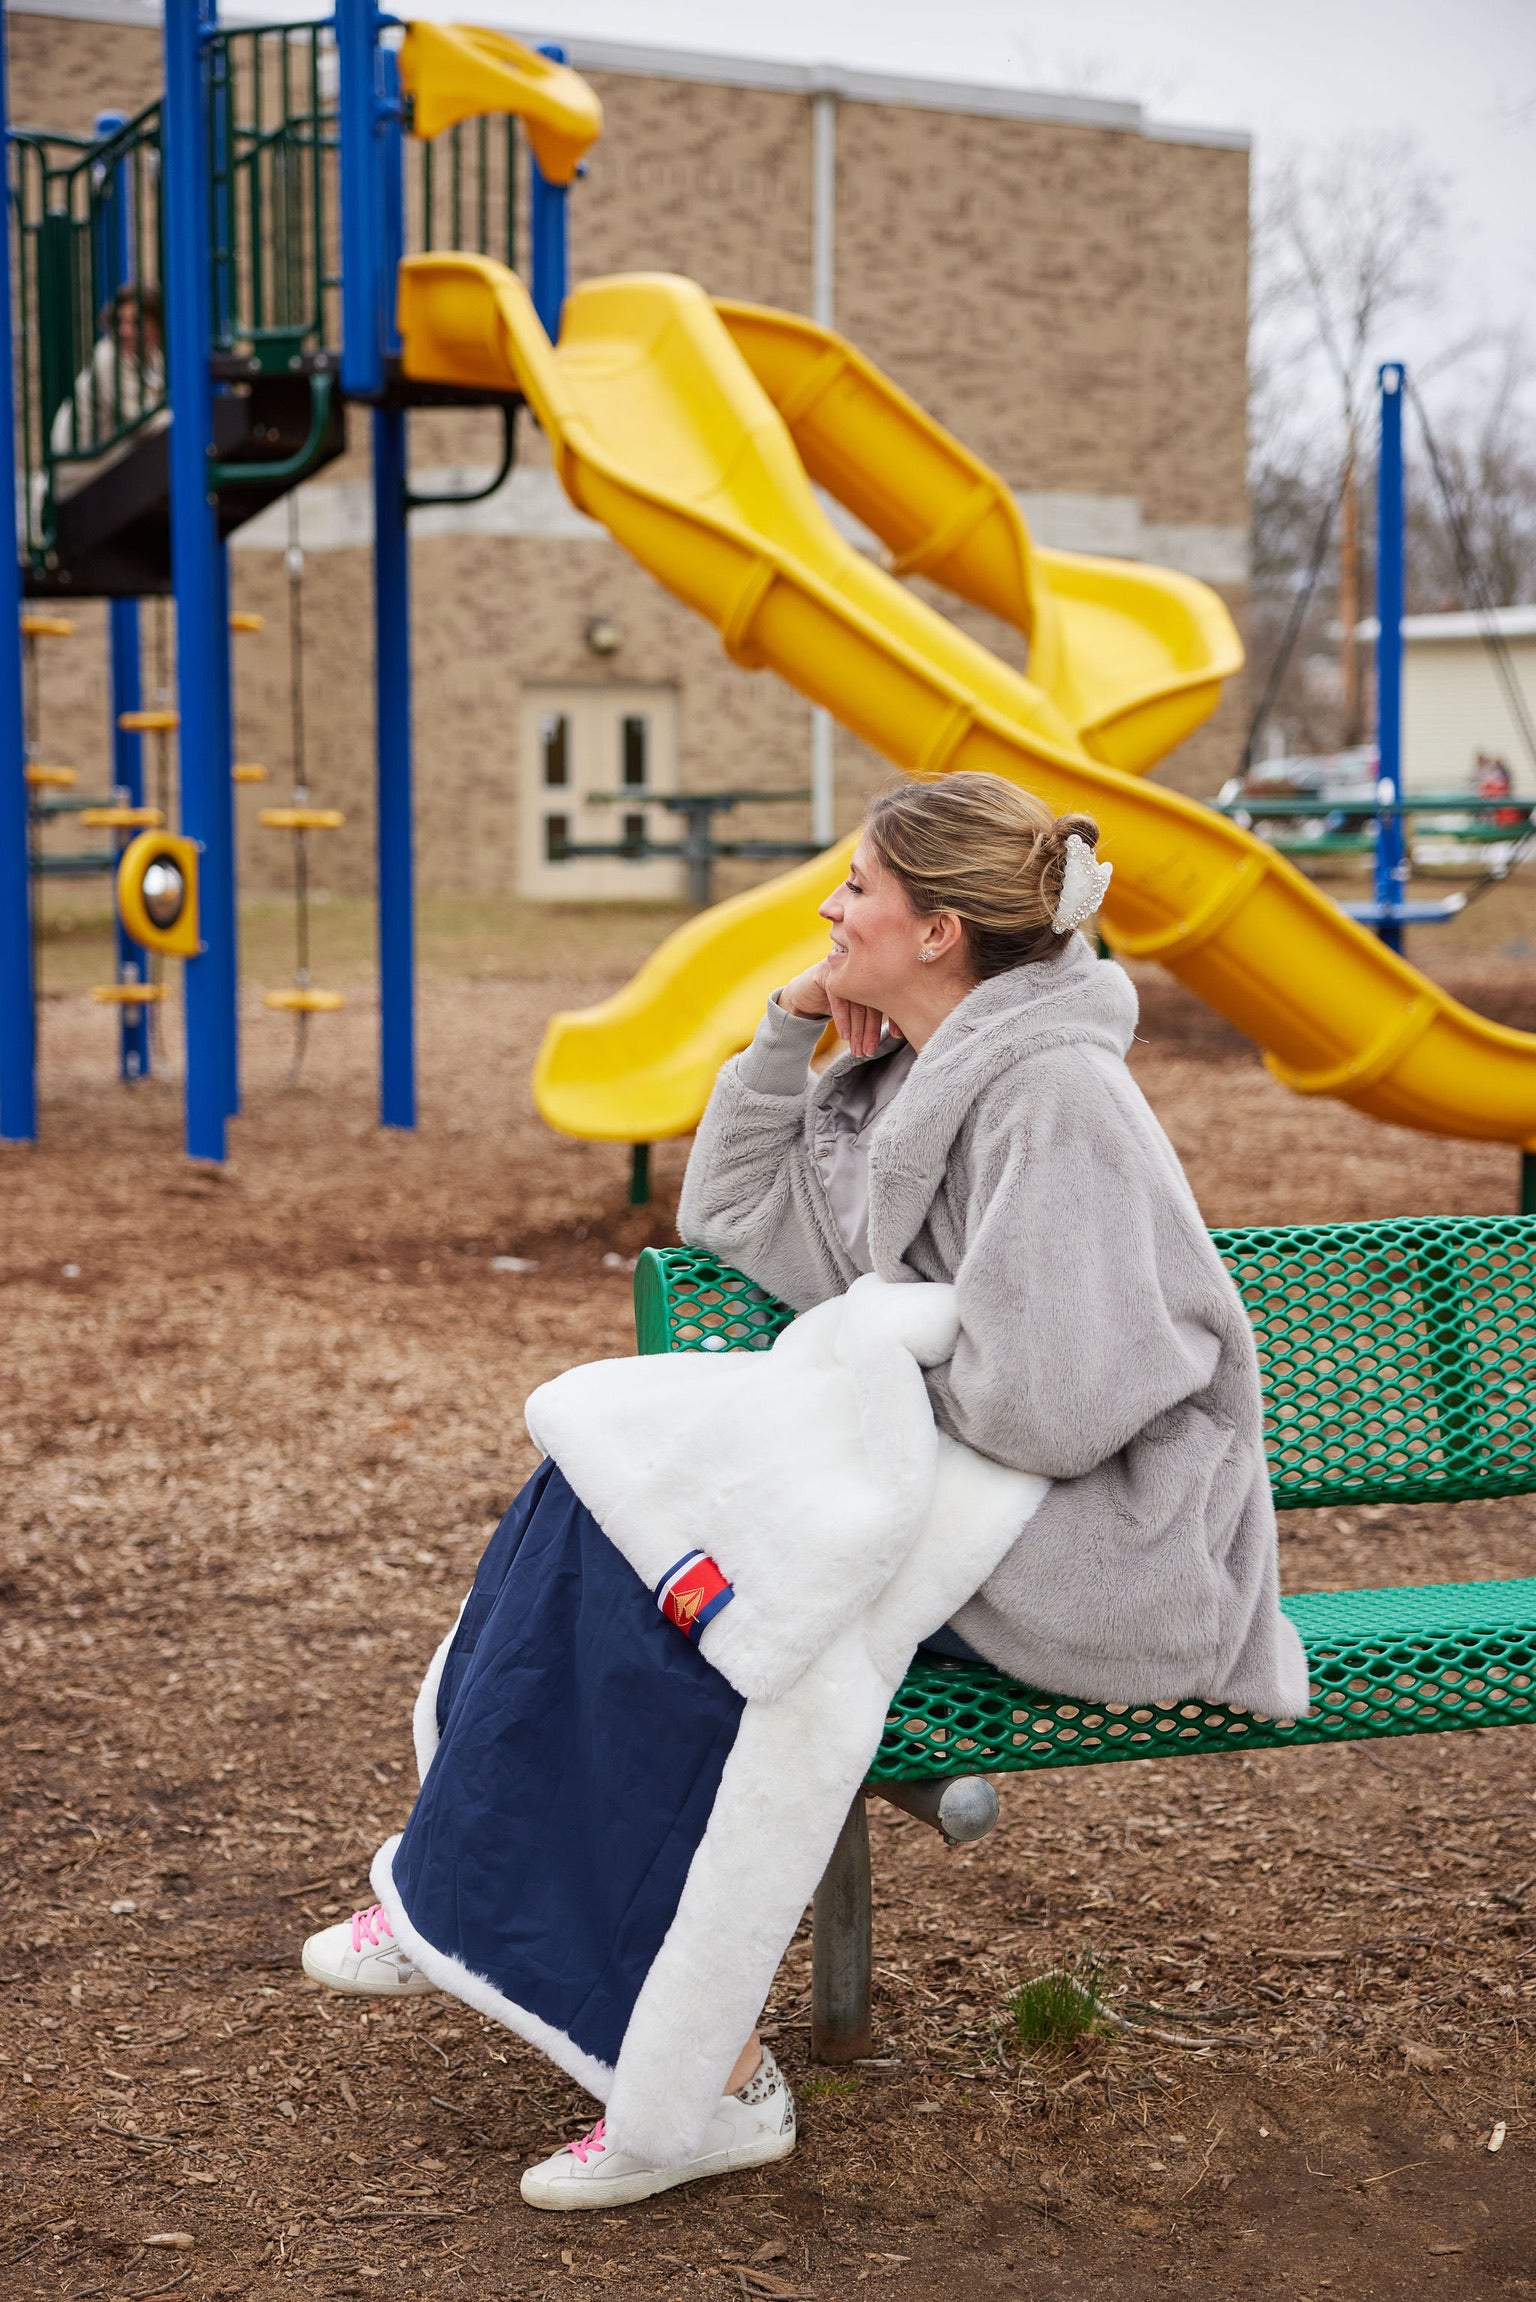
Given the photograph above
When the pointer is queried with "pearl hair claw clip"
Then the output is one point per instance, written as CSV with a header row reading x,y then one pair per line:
x,y
1083,883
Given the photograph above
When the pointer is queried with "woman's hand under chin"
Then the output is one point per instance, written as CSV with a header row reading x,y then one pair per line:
x,y
812,996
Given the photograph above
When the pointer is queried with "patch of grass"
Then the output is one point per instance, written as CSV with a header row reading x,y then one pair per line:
x,y
1054,2010
826,2086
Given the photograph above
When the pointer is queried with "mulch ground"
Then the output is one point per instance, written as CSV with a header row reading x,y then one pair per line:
x,y
253,1434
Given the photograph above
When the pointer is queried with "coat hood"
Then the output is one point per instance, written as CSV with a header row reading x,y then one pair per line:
x,y
1076,1000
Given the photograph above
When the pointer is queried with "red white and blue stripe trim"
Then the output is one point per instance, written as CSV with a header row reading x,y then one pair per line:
x,y
691,1593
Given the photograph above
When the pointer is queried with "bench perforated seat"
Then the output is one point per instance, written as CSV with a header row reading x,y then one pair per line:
x,y
1398,1362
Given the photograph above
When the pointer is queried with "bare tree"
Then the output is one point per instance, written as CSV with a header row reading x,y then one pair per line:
x,y
1487,444
1346,241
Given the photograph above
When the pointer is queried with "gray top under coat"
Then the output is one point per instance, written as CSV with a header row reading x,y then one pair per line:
x,y
777,1063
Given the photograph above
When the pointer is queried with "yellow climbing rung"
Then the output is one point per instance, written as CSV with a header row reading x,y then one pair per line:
x,y
243,619
128,994
304,1002
52,778
302,818
46,627
121,818
148,722
246,771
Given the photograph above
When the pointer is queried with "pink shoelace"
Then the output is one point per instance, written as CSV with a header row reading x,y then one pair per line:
x,y
367,1925
590,2145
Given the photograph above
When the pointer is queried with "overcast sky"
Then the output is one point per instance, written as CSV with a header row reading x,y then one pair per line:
x,y
1462,73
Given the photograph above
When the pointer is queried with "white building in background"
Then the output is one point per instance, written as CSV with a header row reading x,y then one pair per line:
x,y
1454,700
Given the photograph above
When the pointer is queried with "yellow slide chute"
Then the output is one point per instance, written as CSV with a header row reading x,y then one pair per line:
x,y
1134,656
661,429
454,72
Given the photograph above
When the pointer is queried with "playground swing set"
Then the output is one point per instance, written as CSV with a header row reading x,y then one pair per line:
x,y
698,431
1381,826
1397,1357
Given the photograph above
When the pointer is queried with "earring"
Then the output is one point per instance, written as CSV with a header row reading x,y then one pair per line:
x,y
924,956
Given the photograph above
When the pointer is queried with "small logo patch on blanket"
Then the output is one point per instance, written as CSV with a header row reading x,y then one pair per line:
x,y
691,1593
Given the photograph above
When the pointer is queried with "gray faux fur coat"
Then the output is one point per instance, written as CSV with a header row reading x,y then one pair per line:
x,y
1102,1342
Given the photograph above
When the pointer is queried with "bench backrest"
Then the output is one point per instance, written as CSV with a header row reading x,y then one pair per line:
x,y
1398,1358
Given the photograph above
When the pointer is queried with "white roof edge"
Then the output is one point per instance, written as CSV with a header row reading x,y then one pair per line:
x,y
846,81
144,13
1175,132
1509,622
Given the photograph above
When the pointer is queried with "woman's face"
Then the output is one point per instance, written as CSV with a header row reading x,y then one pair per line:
x,y
876,935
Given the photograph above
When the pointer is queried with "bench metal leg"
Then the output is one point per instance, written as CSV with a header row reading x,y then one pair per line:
x,y
841,1947
962,1810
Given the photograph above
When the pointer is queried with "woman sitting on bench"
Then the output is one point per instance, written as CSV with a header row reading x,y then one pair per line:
x,y
981,1134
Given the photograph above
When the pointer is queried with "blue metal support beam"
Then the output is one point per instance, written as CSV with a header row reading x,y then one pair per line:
x,y
1391,845
114,260
221,908
549,226
18,1023
392,682
392,690
133,1056
202,622
362,204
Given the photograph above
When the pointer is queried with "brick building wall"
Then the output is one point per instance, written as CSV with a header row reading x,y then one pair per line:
x,y
1067,293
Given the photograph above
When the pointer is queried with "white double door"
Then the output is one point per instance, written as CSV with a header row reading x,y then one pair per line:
x,y
592,756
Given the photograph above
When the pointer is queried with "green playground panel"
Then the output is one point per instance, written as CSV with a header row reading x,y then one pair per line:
x,y
1397,1360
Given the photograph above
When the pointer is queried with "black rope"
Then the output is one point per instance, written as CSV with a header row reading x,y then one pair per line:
x,y
154,970
1485,609
1297,618
294,563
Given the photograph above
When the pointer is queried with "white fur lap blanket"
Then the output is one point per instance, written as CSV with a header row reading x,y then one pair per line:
x,y
850,1528
813,1474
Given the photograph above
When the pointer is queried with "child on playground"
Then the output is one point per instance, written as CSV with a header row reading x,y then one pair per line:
x,y
981,1134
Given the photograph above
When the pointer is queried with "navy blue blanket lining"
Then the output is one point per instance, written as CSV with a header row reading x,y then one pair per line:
x,y
583,1741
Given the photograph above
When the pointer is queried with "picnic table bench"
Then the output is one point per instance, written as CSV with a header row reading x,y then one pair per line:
x,y
1399,1366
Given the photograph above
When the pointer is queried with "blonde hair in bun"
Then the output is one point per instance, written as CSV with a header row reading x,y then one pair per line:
x,y
987,850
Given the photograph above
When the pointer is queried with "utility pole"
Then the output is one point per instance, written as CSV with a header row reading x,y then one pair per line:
x,y
1349,598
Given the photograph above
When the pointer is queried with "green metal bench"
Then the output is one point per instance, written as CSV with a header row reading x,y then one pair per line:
x,y
1399,1365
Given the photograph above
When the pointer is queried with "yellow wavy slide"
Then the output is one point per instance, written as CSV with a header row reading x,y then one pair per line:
x,y
660,428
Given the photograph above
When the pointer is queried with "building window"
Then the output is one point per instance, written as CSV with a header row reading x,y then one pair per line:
x,y
634,832
555,737
635,734
557,829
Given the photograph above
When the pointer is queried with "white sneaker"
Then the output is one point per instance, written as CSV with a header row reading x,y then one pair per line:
x,y
748,2129
359,1955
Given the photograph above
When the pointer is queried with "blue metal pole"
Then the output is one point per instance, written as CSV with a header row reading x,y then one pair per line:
x,y
221,918
202,625
362,206
392,687
115,263
548,232
18,1034
1391,847
133,1055
392,200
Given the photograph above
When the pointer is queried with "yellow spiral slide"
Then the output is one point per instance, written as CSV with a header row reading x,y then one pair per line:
x,y
694,434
